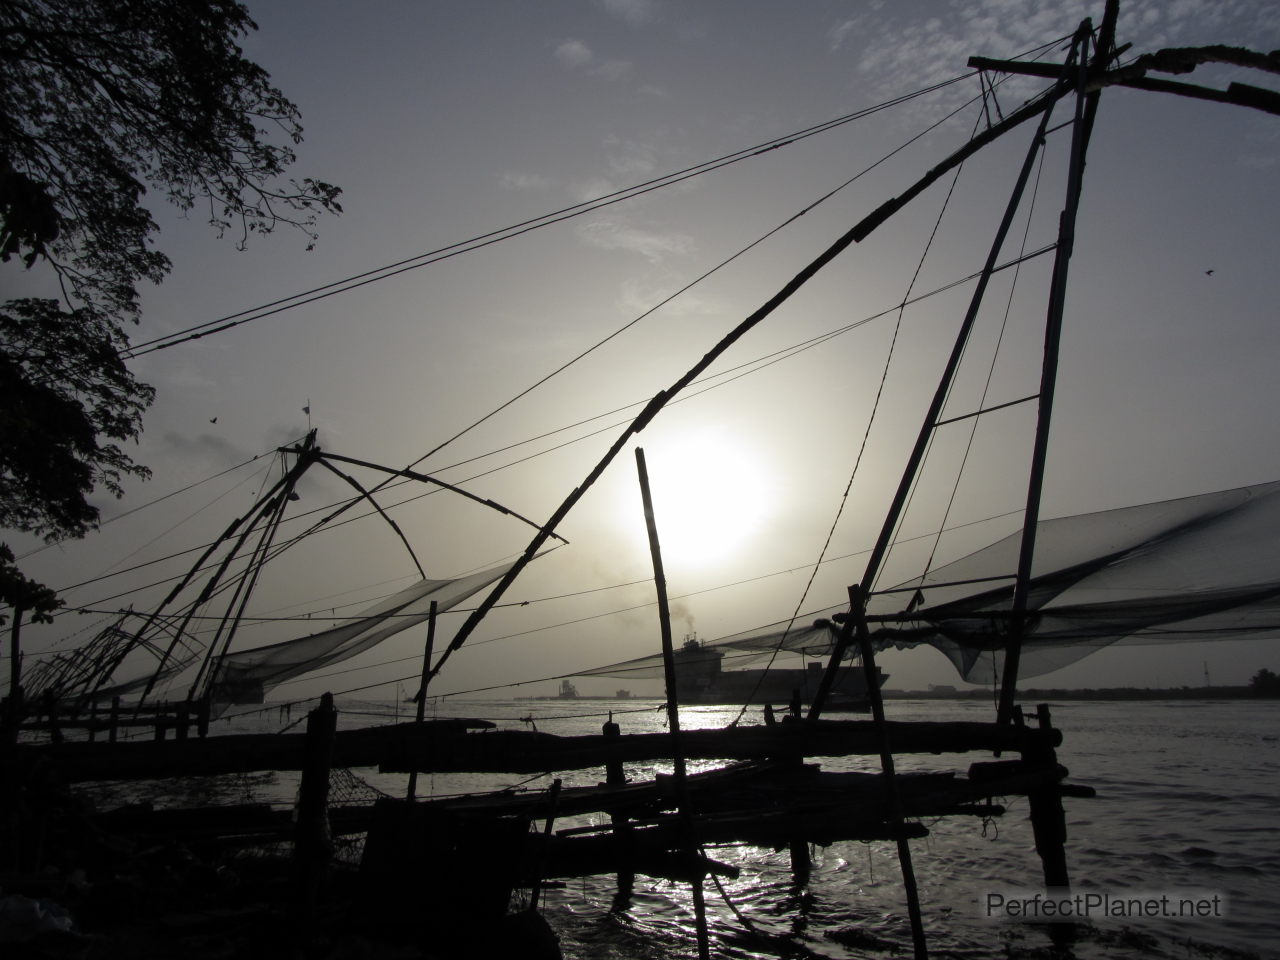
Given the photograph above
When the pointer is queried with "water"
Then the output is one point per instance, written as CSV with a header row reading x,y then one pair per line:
x,y
1187,802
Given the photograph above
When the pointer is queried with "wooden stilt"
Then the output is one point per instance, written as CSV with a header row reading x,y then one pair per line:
x,y
202,716
622,832
421,698
113,730
553,798
311,844
801,863
1048,818
673,708
857,611
51,713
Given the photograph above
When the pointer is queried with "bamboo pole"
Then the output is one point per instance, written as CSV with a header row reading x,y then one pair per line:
x,y
673,707
615,776
905,484
857,606
312,848
553,797
14,719
1082,123
421,697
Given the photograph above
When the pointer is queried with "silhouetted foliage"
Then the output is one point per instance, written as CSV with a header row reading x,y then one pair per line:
x,y
36,601
100,99
63,390
1265,683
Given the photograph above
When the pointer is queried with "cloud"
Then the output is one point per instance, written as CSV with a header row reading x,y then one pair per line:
x,y
211,446
634,12
640,295
613,69
837,33
902,52
631,159
574,53
609,233
510,180
592,189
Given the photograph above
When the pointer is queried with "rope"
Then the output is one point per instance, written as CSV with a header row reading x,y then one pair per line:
x,y
875,407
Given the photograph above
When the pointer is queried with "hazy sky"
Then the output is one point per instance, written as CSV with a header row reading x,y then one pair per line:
x,y
444,121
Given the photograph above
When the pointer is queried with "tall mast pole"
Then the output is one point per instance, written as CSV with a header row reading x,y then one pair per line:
x,y
1086,105
881,548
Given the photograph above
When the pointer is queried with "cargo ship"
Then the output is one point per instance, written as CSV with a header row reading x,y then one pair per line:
x,y
702,679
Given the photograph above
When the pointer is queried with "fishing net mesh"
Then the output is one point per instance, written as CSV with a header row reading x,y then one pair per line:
x,y
1198,568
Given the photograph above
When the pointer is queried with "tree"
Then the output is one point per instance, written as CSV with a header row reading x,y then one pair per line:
x,y
1265,683
63,388
99,101
22,595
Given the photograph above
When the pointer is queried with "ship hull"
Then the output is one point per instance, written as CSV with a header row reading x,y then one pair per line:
x,y
778,687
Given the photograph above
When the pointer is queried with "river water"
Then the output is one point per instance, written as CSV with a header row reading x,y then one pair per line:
x,y
1187,806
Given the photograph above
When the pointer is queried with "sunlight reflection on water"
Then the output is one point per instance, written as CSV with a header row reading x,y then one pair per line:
x,y
1186,800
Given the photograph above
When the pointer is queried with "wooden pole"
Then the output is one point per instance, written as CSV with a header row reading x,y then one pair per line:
x,y
673,708
202,715
311,846
857,607
943,390
1048,818
14,720
51,708
553,799
615,776
113,729
1048,376
421,698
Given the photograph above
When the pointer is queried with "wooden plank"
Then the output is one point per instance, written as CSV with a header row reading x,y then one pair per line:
x,y
442,747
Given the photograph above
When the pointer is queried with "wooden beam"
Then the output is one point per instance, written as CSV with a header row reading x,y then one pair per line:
x,y
442,746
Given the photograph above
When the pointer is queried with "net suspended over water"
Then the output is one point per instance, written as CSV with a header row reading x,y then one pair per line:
x,y
246,672
1199,568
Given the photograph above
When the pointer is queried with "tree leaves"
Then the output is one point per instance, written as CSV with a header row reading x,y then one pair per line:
x,y
63,391
100,100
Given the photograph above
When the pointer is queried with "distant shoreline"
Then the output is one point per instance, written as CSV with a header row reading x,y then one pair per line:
x,y
1027,694
1102,693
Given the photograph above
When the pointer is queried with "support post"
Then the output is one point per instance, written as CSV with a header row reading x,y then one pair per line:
x,y
51,711
622,835
857,612
16,708
202,715
553,802
943,390
673,708
1048,817
1081,126
801,862
113,721
311,843
421,698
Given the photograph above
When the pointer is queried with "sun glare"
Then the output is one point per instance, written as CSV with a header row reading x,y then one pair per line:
x,y
710,494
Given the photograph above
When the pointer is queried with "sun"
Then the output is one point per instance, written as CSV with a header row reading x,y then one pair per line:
x,y
711,493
